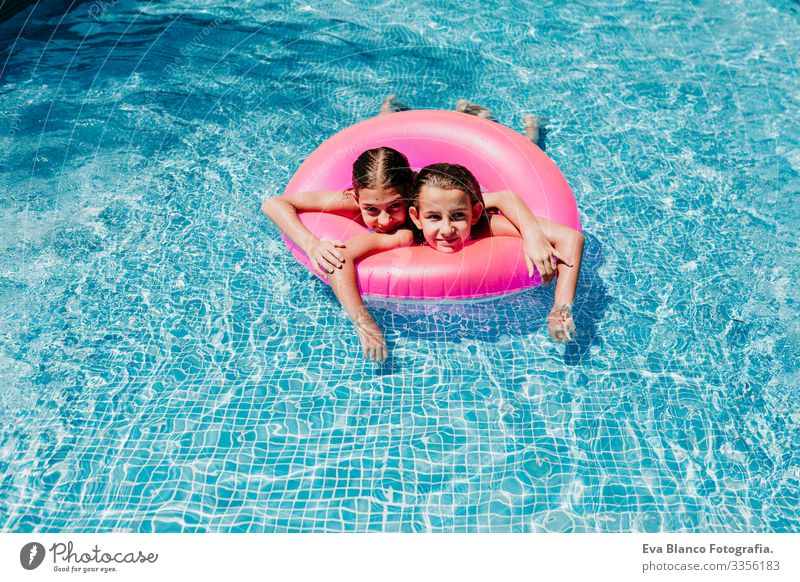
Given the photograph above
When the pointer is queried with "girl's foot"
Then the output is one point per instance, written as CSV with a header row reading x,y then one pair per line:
x,y
534,126
391,104
560,323
465,106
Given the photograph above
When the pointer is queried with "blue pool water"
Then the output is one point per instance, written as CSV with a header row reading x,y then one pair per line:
x,y
165,365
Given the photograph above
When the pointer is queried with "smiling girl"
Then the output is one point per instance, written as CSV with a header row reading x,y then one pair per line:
x,y
377,200
448,210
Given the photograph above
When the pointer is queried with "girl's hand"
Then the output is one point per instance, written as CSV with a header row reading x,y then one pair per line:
x,y
325,257
372,342
541,254
561,324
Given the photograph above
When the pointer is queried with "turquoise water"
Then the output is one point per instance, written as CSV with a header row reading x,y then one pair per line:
x,y
165,365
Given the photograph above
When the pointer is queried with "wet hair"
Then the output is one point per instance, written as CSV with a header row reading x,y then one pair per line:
x,y
382,167
447,177
452,177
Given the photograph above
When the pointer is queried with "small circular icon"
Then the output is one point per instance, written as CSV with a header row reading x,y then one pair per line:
x,y
31,555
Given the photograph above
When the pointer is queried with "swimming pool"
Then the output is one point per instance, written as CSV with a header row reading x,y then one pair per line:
x,y
166,365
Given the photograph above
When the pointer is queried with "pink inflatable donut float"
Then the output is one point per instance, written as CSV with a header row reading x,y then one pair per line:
x,y
500,158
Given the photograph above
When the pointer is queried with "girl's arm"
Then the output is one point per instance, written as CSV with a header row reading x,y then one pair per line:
x,y
538,248
345,285
568,244
282,210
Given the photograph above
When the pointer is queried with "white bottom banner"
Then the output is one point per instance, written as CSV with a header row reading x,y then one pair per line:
x,y
439,557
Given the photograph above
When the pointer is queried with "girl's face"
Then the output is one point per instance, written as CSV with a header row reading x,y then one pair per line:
x,y
445,218
383,210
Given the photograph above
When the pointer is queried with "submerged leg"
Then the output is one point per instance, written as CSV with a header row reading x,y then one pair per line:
x,y
470,108
534,126
391,104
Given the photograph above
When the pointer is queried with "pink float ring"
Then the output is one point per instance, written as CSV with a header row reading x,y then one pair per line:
x,y
500,158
